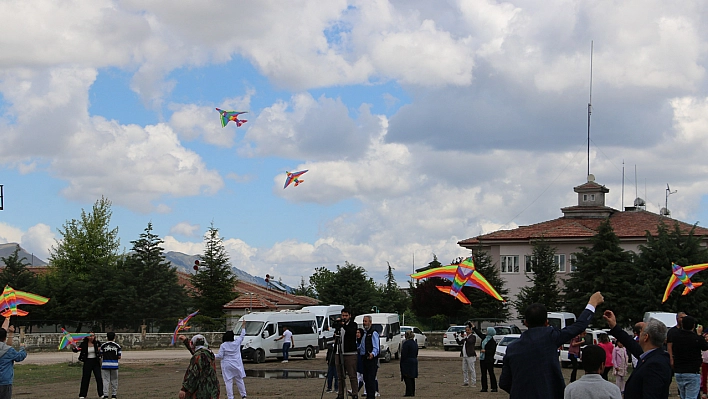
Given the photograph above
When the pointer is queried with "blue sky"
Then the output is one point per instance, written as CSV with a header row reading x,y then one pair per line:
x,y
420,124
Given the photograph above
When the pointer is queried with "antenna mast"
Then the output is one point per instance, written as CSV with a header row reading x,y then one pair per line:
x,y
590,104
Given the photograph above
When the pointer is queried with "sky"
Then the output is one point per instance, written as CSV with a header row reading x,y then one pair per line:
x,y
420,123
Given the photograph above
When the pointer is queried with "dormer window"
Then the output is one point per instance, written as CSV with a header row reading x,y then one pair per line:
x,y
585,198
592,197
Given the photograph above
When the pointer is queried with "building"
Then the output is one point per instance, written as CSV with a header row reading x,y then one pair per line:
x,y
512,249
257,298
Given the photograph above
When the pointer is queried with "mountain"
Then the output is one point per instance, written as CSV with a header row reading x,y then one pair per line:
x,y
6,250
185,263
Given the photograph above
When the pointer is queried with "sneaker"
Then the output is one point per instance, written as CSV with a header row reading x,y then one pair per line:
x,y
465,384
377,394
494,390
329,390
284,361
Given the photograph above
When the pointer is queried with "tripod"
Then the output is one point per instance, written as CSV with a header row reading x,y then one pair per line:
x,y
338,351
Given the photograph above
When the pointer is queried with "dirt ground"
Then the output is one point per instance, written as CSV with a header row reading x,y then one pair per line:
x,y
438,377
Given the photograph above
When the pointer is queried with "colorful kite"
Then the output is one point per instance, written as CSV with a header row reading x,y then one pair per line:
x,y
293,177
71,338
462,274
182,325
231,116
11,298
682,275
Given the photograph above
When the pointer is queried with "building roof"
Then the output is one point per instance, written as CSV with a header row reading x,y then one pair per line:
x,y
251,293
627,225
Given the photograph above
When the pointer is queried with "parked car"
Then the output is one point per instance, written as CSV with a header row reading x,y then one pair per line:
x,y
449,341
669,319
504,330
420,338
501,348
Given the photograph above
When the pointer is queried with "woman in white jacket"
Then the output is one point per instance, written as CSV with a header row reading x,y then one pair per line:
x,y
231,362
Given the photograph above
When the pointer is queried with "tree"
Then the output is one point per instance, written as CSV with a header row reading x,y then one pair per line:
x,y
654,261
214,282
392,299
544,288
86,256
484,306
428,302
15,272
152,288
304,290
607,268
351,287
321,278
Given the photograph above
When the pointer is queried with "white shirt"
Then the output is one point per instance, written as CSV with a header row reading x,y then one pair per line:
x,y
287,337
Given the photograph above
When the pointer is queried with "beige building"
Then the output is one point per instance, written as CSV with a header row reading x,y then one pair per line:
x,y
512,249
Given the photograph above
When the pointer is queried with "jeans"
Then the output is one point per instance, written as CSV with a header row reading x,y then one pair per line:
x,y
286,350
370,369
689,385
332,375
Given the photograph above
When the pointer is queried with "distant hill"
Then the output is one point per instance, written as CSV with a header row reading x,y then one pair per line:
x,y
6,250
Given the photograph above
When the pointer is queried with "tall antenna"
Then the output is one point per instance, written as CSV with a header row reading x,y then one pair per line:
x,y
665,210
622,206
2,198
592,45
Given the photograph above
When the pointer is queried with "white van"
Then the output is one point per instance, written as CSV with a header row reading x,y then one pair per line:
x,y
390,336
669,319
326,315
262,328
561,320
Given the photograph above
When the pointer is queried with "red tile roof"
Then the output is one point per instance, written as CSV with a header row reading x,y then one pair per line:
x,y
630,224
267,297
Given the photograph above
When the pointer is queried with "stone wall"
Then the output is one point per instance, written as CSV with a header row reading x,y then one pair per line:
x,y
129,341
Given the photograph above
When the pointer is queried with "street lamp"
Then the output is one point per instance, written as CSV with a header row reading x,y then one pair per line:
x,y
375,309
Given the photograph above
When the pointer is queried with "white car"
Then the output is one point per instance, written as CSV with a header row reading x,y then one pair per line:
x,y
504,330
449,341
420,338
501,348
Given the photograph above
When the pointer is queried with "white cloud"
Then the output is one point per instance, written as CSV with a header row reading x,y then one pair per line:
x,y
38,239
185,229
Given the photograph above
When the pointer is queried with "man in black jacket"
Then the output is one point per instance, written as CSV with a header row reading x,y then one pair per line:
x,y
687,347
652,376
469,356
346,333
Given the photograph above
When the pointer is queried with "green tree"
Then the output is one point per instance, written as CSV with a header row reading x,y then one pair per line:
x,y
605,267
392,299
152,291
304,289
544,288
670,245
16,274
428,302
350,286
214,281
484,306
321,278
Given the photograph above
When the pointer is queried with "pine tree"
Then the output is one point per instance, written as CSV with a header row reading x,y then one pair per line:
x,y
544,288
214,282
304,289
607,268
428,302
393,300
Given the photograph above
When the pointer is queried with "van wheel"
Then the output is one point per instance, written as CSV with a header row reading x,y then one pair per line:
x,y
387,356
309,353
259,357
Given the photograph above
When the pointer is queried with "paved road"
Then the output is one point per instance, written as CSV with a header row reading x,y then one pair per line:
x,y
67,356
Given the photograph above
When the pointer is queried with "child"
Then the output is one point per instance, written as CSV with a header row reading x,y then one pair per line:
x,y
111,353
619,360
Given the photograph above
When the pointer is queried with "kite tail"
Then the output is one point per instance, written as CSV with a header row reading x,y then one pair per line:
x,y
297,182
460,296
9,312
687,290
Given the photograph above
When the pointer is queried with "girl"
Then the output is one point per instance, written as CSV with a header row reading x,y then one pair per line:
x,y
619,360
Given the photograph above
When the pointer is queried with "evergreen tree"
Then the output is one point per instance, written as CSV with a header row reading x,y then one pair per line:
x,y
428,302
350,286
544,288
15,272
214,281
655,259
152,289
607,268
393,300
484,306
304,290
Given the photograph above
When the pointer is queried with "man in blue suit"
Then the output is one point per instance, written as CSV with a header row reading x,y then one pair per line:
x,y
652,376
531,367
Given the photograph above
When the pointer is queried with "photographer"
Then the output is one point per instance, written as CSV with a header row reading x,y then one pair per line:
x,y
346,334
469,356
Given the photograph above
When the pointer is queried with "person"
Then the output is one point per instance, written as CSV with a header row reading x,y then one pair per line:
x,y
574,353
409,362
288,342
369,351
110,353
331,368
652,376
486,357
469,356
346,333
231,363
592,385
607,346
619,361
531,368
636,330
687,347
200,380
704,365
8,357
90,354
672,333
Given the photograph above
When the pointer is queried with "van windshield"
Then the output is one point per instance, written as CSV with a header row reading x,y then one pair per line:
x,y
319,321
252,328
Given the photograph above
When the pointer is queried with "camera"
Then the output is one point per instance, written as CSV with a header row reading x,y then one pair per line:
x,y
337,324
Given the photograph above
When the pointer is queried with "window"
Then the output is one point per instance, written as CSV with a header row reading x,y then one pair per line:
x,y
510,264
592,197
528,263
559,260
417,330
585,197
298,327
571,261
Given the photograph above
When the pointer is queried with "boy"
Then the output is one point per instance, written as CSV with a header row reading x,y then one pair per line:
x,y
591,385
110,352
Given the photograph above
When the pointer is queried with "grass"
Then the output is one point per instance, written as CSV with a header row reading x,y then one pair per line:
x,y
32,374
